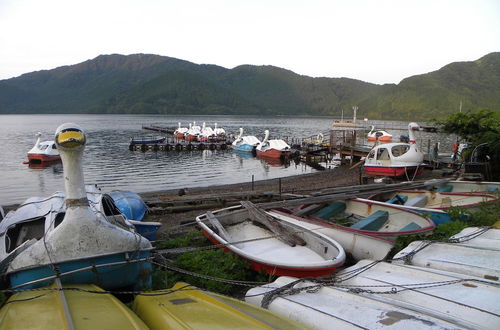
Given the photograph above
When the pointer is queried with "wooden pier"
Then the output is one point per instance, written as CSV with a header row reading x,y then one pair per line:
x,y
178,145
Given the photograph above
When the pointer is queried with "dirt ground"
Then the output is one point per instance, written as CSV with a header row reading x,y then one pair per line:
x,y
174,223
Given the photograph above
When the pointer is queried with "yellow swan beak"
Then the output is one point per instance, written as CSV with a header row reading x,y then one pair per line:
x,y
70,138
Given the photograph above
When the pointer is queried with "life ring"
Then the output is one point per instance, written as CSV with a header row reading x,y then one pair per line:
x,y
319,137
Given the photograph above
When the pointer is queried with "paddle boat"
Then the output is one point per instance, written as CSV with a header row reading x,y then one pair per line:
x,y
276,247
378,135
245,143
434,204
396,159
380,295
75,246
43,152
273,149
219,131
74,306
207,134
187,307
129,203
193,132
362,216
180,132
468,186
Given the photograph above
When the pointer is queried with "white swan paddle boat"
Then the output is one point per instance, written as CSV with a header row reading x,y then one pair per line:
x,y
433,203
278,247
273,149
396,159
245,143
43,152
79,245
378,135
180,132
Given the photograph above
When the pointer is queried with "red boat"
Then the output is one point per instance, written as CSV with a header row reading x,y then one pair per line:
x,y
396,159
43,152
254,237
273,149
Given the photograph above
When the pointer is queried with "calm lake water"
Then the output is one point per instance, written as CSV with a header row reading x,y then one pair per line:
x,y
109,164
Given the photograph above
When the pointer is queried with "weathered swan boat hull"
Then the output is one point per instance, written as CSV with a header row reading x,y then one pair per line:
x,y
88,307
273,154
109,272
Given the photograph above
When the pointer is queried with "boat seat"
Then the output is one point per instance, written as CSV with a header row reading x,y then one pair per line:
x,y
330,210
372,222
397,200
410,226
418,201
445,188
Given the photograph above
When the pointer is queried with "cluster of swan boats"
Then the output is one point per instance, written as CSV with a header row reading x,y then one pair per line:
x,y
60,256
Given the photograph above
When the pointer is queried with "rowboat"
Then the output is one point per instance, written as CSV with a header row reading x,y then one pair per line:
x,y
379,295
434,203
277,247
76,306
475,252
187,307
273,149
396,159
43,152
468,186
363,216
147,141
245,143
79,245
356,244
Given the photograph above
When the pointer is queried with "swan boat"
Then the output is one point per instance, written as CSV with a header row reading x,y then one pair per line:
x,y
180,132
433,203
379,135
396,159
245,143
362,216
43,152
273,149
75,246
276,247
193,132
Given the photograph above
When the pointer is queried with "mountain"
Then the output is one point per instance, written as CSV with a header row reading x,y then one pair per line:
x,y
143,83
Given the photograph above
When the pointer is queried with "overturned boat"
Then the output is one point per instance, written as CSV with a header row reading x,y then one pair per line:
x,y
75,246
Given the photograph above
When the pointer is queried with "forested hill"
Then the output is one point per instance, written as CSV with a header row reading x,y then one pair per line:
x,y
143,83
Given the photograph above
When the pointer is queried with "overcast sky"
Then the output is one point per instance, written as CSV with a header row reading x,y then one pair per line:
x,y
372,40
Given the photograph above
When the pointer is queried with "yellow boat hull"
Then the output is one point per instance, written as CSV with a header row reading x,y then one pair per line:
x,y
186,307
45,309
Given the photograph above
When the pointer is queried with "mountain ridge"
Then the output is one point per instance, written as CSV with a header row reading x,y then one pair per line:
x,y
149,83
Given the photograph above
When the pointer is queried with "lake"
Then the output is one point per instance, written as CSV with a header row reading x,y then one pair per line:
x,y
109,164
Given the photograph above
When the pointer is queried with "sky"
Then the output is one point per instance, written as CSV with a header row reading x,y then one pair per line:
x,y
378,41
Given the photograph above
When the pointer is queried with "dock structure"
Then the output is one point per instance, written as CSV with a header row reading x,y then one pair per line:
x,y
171,144
158,128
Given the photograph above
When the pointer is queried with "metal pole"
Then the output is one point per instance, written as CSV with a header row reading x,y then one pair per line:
x,y
252,182
279,185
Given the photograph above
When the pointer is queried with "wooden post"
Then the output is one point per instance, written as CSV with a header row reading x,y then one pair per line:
x,y
252,182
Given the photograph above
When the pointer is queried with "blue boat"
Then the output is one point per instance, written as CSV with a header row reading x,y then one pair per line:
x,y
130,204
67,239
245,143
148,141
